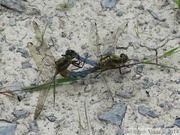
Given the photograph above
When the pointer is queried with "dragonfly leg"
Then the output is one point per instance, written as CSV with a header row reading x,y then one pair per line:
x,y
78,63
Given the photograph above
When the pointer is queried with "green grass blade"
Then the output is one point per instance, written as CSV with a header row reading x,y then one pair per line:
x,y
68,79
59,82
168,53
43,33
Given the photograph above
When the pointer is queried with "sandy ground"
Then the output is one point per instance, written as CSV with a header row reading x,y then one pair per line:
x,y
76,23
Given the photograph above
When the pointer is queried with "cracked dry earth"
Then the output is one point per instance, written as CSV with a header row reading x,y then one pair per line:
x,y
146,97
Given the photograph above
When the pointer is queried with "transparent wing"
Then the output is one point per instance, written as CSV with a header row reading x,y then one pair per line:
x,y
98,53
43,58
119,32
42,78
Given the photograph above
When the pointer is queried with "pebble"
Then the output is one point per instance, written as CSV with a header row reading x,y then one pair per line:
x,y
115,115
47,21
24,53
147,83
177,122
12,48
177,81
7,128
33,10
140,7
13,4
177,36
135,58
161,105
146,111
12,22
20,113
0,50
108,4
1,38
51,118
139,68
122,94
153,14
118,79
26,64
166,106
119,132
21,95
17,86
119,13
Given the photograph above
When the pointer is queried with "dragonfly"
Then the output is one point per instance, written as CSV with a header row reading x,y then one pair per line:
x,y
46,65
110,61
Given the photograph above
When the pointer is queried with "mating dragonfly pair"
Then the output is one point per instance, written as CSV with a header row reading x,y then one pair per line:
x,y
105,63
42,55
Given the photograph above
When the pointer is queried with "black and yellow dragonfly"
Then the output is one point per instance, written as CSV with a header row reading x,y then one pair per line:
x,y
110,61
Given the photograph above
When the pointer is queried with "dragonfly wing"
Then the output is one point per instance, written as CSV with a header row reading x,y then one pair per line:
x,y
119,32
44,60
42,77
40,104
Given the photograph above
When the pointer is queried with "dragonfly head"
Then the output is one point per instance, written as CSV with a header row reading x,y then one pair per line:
x,y
70,52
124,58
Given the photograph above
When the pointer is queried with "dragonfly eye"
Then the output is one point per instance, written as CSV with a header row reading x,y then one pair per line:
x,y
124,57
70,52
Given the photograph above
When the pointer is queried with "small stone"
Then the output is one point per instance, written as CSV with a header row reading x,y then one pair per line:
x,y
7,128
177,36
20,113
119,79
130,43
24,53
161,105
119,13
12,48
177,122
115,115
12,22
177,81
140,7
139,68
47,21
13,4
83,47
119,132
18,86
146,111
174,31
2,38
135,58
26,64
0,50
147,83
21,95
108,4
122,94
153,14
51,118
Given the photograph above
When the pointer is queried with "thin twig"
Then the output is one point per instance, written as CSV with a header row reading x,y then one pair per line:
x,y
87,116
